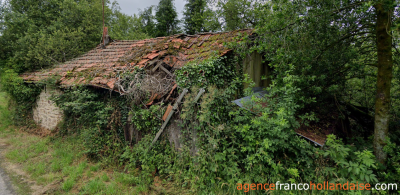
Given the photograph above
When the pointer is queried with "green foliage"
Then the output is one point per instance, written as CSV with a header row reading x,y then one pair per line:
x,y
238,14
84,106
147,161
212,71
166,16
393,164
38,34
5,114
351,165
147,20
147,120
24,96
395,97
199,17
41,33
124,27
193,19
232,145
97,117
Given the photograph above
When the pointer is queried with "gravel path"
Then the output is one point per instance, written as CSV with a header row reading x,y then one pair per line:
x,y
5,184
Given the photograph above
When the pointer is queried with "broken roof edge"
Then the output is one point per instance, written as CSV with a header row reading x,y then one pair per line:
x,y
260,93
314,141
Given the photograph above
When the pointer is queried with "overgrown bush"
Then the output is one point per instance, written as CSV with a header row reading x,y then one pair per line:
x,y
98,116
224,145
147,120
83,107
347,163
23,96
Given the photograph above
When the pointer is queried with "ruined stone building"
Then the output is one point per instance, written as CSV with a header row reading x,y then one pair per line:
x,y
103,66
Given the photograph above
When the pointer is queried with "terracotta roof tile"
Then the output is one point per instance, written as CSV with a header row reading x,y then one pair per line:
x,y
143,61
101,63
169,109
152,55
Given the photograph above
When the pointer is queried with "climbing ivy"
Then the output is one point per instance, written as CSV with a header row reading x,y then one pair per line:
x,y
218,71
23,95
147,120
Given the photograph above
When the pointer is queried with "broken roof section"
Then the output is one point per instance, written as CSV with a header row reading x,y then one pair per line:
x,y
101,67
316,132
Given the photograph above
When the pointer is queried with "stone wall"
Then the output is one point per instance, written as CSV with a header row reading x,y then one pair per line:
x,y
46,114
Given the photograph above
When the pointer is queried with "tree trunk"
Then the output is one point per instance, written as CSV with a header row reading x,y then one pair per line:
x,y
385,66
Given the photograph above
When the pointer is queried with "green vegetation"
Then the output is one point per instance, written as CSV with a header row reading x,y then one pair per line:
x,y
38,34
4,112
335,60
166,16
63,159
198,17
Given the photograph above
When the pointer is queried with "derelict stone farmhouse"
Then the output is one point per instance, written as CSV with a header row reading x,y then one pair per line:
x,y
102,67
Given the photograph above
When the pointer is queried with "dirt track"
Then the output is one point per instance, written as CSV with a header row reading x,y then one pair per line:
x,y
5,183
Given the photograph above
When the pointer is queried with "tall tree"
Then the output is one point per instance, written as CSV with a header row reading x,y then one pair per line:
x,y
39,33
199,16
384,12
327,44
3,48
166,16
124,27
194,16
238,14
147,19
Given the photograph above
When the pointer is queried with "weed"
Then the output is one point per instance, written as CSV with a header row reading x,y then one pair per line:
x,y
4,112
37,169
95,168
68,170
82,166
89,173
126,179
94,186
56,165
68,184
112,189
105,178
17,156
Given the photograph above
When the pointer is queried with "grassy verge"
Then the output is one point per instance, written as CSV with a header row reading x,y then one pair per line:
x,y
60,166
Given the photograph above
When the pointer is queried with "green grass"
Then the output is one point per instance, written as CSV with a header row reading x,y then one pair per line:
x,y
37,169
126,179
5,114
105,178
112,189
31,147
95,167
68,184
94,186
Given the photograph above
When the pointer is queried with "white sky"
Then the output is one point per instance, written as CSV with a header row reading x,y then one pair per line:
x,y
131,7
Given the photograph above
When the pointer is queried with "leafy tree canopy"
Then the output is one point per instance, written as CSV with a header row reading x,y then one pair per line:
x,y
237,14
147,19
36,34
124,27
328,44
166,16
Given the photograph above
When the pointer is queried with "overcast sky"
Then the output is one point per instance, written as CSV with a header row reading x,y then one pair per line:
x,y
131,7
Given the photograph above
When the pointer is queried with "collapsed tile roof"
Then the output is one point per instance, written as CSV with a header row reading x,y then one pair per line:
x,y
101,66
315,132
